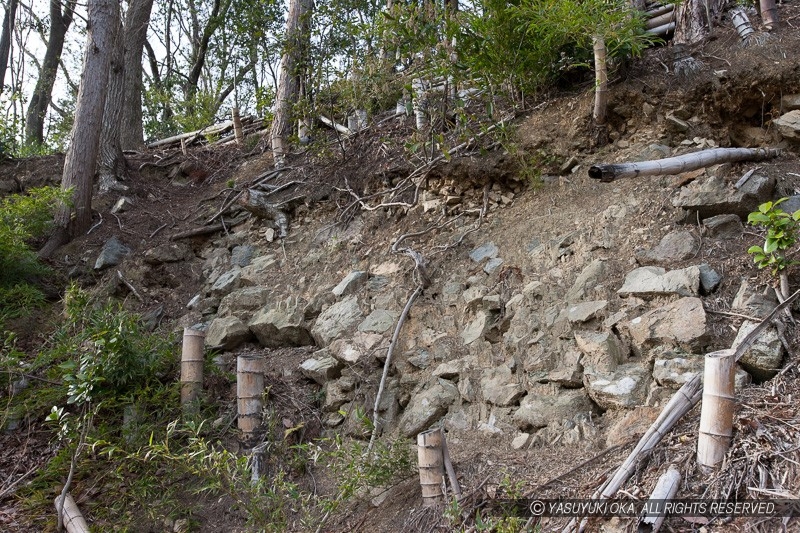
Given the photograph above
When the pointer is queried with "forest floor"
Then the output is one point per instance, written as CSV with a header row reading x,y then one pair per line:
x,y
733,96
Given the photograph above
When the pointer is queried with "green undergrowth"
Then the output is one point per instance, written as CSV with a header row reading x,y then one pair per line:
x,y
110,393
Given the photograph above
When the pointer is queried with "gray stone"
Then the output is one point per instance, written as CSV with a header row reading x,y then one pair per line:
x,y
791,205
539,410
427,407
242,302
654,151
681,324
521,441
763,360
227,282
624,387
709,279
788,126
674,246
335,397
449,370
112,254
655,281
674,371
227,333
492,264
488,250
477,327
281,325
467,390
422,360
351,283
336,320
123,204
714,196
171,252
322,368
585,311
586,280
260,271
500,387
242,255
601,350
790,102
377,283
353,350
568,371
378,321
723,227
473,296
751,302
675,124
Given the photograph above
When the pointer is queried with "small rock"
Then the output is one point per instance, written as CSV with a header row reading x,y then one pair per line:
x,y
500,387
227,333
351,283
488,250
655,281
168,253
336,320
588,278
422,360
624,387
378,321
227,282
681,323
709,279
764,358
788,126
537,411
723,226
448,370
675,371
677,125
675,246
242,255
492,265
585,311
123,204
601,350
112,254
521,441
321,369
427,407
790,102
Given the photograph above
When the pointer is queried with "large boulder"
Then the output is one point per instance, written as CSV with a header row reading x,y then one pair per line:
x,y
655,281
679,324
227,333
539,410
336,320
765,357
714,196
500,387
675,246
282,325
427,407
788,126
624,387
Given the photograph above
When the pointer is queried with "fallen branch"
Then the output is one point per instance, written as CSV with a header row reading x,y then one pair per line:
x,y
130,286
675,165
207,230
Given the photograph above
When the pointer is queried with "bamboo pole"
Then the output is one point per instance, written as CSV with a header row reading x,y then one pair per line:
x,y
249,389
430,461
655,22
73,519
666,488
191,365
769,14
237,126
659,11
675,165
448,466
663,30
716,416
601,81
420,103
742,25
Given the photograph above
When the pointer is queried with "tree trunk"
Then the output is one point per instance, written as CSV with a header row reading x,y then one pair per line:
x,y
111,162
200,49
291,73
81,159
694,19
137,20
43,92
5,39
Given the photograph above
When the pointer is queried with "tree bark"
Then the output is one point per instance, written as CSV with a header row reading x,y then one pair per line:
x,y
200,48
81,159
111,162
5,39
43,92
290,77
137,20
694,19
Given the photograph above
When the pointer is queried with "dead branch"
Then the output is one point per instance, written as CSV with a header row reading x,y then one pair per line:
x,y
256,202
130,286
158,229
206,230
607,173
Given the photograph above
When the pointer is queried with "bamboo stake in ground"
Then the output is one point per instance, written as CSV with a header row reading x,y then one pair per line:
x,y
601,81
769,14
716,416
249,389
191,365
675,165
430,461
73,519
237,126
666,489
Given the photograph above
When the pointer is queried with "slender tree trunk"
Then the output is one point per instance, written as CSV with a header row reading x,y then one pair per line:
x,y
200,49
5,39
289,80
43,92
694,20
601,81
81,159
137,20
111,162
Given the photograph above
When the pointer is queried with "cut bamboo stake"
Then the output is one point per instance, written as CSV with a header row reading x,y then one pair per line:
x,y
191,365
249,389
73,519
663,30
237,126
601,81
420,103
666,488
716,416
681,403
675,165
430,461
741,24
769,14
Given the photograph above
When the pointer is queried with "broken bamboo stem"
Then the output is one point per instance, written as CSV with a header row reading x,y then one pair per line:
x,y
249,389
237,126
448,466
716,416
607,173
73,520
769,14
666,488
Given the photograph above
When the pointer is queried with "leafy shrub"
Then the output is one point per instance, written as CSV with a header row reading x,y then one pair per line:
x,y
782,233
